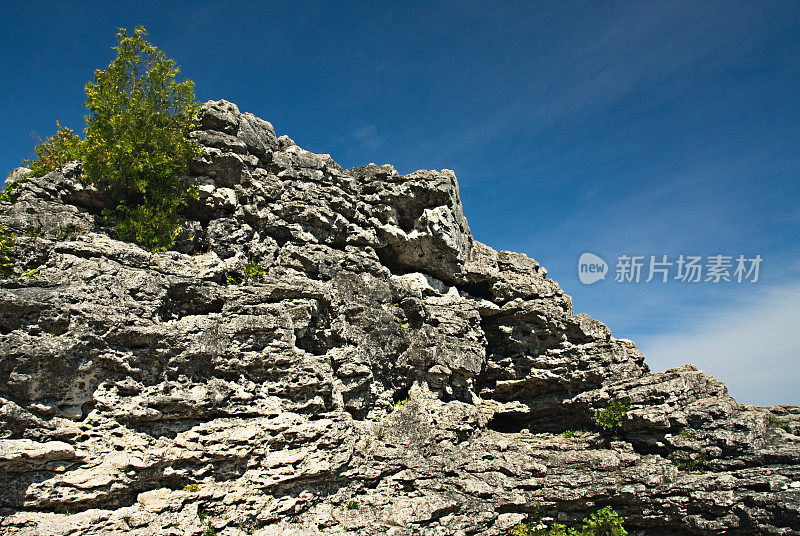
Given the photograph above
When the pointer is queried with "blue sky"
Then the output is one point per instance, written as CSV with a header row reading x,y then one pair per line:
x,y
647,128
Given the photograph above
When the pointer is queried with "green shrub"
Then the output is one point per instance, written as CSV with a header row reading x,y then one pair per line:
x,y
776,422
401,325
7,240
252,270
9,193
136,140
152,225
602,522
353,505
69,232
610,419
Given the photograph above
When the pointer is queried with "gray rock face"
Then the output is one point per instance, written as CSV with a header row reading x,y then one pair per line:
x,y
387,374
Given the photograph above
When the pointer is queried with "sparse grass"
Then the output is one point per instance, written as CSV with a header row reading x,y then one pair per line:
x,y
777,423
685,432
248,527
252,270
568,434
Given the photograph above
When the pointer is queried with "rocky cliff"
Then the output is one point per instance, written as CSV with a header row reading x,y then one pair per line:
x,y
385,374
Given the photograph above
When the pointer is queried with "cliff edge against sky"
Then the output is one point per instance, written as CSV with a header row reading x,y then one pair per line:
x,y
331,352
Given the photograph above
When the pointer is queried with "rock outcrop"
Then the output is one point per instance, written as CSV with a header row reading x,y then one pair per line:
x,y
387,374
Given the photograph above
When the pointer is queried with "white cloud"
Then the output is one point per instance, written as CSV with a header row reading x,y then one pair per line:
x,y
754,348
368,136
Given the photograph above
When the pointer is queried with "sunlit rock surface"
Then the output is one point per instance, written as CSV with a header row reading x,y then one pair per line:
x,y
387,375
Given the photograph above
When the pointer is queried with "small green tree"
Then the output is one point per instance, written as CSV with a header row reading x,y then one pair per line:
x,y
136,145
136,140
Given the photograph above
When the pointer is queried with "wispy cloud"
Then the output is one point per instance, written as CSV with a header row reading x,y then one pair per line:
x,y
368,136
753,347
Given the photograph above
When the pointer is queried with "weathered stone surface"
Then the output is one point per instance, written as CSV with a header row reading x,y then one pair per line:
x,y
387,374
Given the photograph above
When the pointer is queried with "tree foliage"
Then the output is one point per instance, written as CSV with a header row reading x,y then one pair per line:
x,y
62,147
136,139
136,146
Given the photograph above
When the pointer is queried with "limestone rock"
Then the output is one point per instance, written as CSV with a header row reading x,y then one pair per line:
x,y
386,374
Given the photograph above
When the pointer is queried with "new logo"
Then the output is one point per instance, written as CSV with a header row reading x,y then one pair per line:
x,y
591,268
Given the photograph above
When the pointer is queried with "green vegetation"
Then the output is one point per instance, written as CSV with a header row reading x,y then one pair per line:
x,y
610,419
569,434
69,232
353,505
401,403
403,327
9,193
696,464
777,423
136,140
62,147
33,273
250,272
191,488
248,527
136,147
602,522
7,240
685,432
